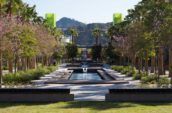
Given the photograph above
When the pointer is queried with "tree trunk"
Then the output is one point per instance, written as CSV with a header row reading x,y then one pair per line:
x,y
45,61
111,39
96,40
10,8
139,64
36,61
133,61
170,62
1,68
153,64
19,67
156,65
27,63
160,61
120,60
128,61
10,65
15,63
33,63
24,64
146,62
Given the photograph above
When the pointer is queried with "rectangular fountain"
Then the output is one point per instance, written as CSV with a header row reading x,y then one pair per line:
x,y
85,76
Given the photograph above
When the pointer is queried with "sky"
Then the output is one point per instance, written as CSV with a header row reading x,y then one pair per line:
x,y
87,11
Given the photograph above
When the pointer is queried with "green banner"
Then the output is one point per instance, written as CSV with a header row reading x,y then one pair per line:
x,y
51,19
117,18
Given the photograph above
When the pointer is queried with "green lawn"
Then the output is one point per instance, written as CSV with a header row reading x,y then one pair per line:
x,y
87,107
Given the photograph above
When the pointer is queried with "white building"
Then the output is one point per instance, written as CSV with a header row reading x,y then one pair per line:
x,y
66,39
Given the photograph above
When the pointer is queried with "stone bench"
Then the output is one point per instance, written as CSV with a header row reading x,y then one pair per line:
x,y
139,95
35,95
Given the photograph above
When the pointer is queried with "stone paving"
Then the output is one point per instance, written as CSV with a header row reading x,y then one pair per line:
x,y
92,92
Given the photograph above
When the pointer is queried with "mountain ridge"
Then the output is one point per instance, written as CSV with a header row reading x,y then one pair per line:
x,y
66,22
85,30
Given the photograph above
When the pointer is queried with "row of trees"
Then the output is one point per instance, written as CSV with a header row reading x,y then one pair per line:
x,y
25,38
145,34
71,48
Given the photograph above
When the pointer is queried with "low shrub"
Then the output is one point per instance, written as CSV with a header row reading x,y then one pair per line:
x,y
131,72
24,77
117,68
154,79
137,76
163,82
125,70
149,79
128,70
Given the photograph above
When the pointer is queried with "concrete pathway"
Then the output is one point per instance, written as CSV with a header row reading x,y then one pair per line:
x,y
91,92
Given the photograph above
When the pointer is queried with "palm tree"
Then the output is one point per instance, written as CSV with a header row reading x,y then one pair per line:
x,y
111,33
96,33
29,14
74,33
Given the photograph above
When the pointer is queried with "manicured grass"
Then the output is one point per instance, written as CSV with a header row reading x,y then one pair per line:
x,y
86,107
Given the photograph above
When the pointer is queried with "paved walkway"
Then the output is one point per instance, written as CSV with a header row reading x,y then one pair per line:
x,y
92,92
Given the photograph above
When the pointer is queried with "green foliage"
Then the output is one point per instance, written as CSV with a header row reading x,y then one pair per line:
x,y
170,68
74,33
125,70
58,55
24,77
128,70
143,76
164,82
137,76
150,79
96,52
28,42
109,54
71,51
154,79
132,71
117,68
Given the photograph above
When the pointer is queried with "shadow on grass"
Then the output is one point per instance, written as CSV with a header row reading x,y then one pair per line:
x,y
109,105
85,104
98,105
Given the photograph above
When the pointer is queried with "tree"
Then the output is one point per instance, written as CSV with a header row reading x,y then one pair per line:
x,y
96,33
74,33
24,37
13,6
2,3
71,51
111,33
96,52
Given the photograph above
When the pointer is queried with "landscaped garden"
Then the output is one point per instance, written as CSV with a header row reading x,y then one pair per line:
x,y
127,60
137,46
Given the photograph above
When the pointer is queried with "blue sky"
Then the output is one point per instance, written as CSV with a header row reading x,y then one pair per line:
x,y
87,11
